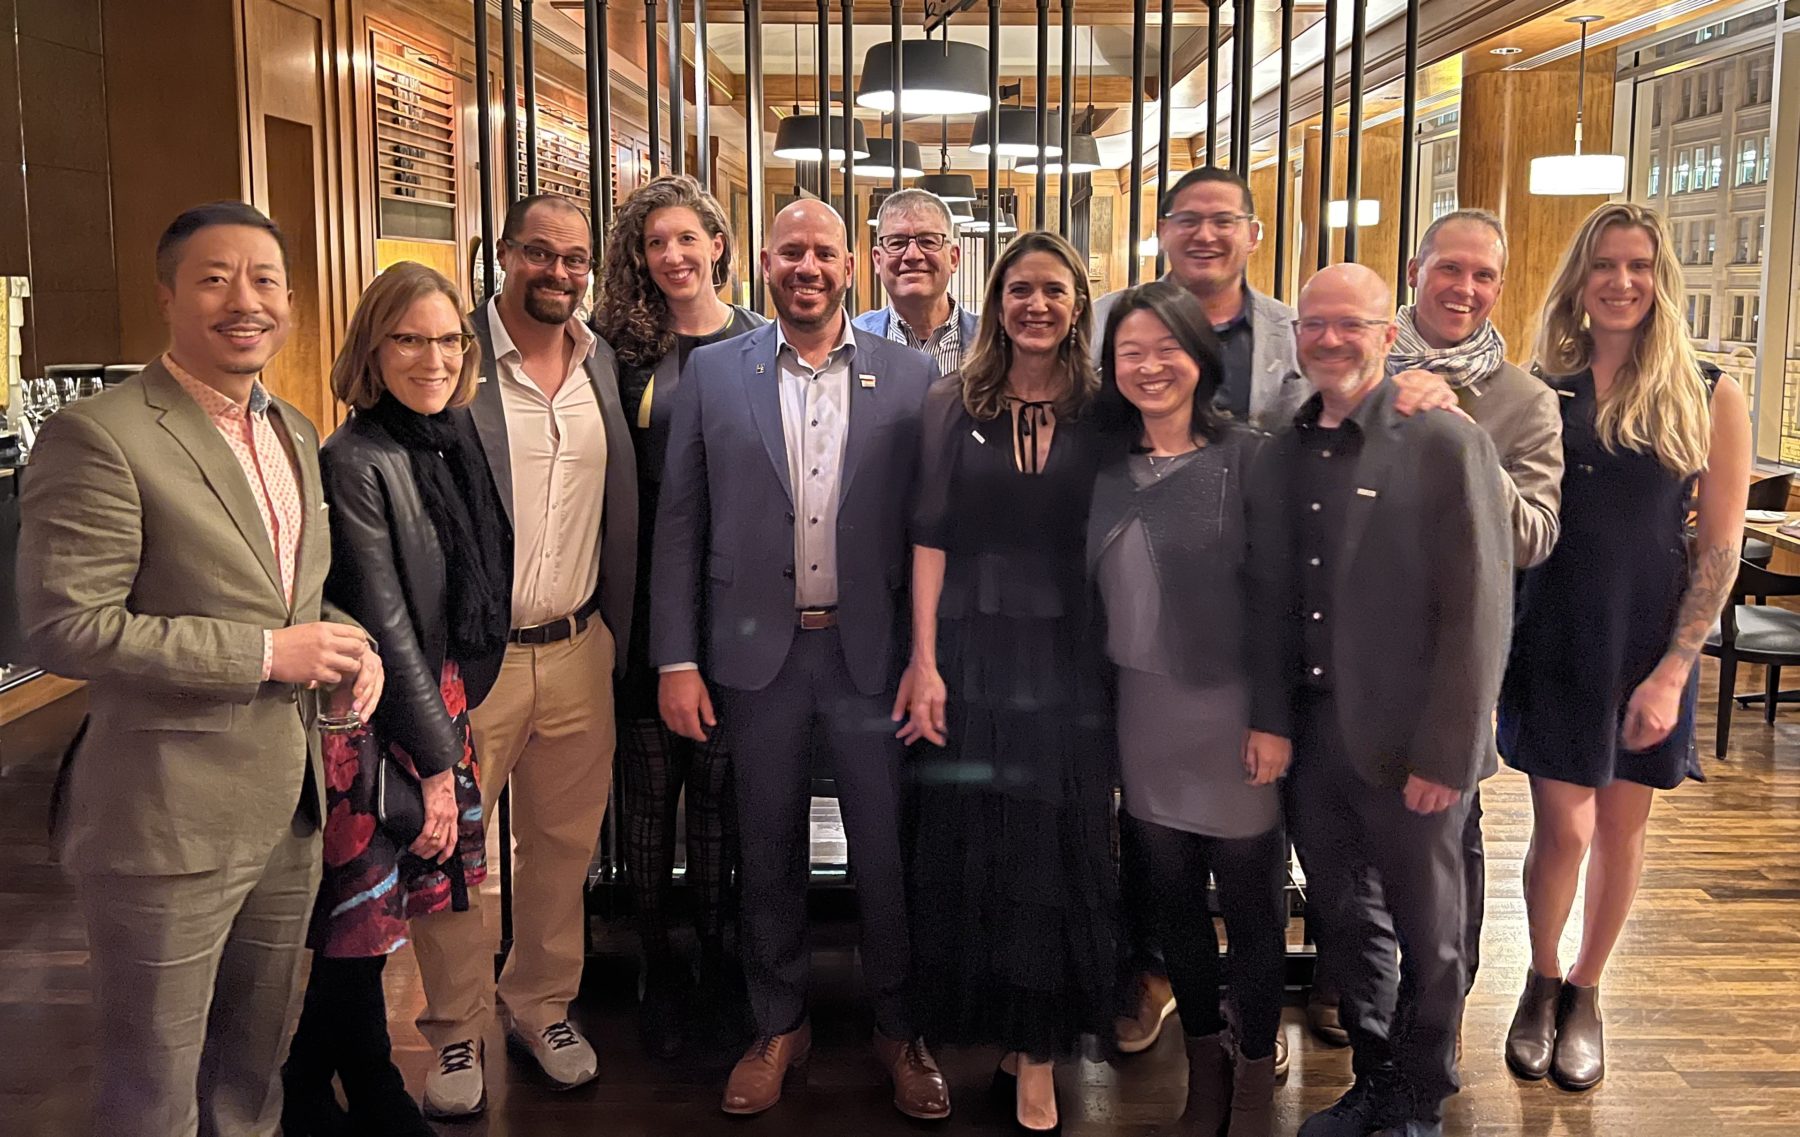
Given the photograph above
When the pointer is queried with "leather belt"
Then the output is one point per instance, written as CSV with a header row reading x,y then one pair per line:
x,y
816,619
556,630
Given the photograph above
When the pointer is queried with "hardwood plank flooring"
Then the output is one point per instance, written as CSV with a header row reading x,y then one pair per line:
x,y
1702,1002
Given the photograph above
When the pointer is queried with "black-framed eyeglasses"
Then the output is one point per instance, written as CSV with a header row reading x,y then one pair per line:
x,y
1312,327
412,345
1222,223
895,243
539,257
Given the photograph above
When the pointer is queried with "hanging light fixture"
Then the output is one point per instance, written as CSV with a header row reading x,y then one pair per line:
x,y
1578,173
941,77
956,190
1018,131
797,137
1084,157
1007,223
881,159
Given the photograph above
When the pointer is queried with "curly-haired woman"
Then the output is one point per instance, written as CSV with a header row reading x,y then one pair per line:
x,y
667,255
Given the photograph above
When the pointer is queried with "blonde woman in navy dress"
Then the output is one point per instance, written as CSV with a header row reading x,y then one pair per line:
x,y
1598,703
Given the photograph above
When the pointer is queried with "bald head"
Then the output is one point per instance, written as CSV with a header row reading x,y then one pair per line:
x,y
807,267
1345,328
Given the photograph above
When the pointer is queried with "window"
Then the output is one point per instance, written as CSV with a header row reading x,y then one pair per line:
x,y
1746,316
1699,314
1743,242
1762,171
1655,176
1442,202
1712,241
1656,108
1759,76
1680,182
1746,163
1715,167
1687,97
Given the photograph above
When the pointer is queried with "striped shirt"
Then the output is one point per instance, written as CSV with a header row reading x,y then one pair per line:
x,y
944,345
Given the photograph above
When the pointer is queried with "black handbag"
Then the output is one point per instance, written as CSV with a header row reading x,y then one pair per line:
x,y
400,811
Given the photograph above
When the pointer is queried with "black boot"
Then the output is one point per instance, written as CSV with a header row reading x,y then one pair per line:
x,y
1208,1104
663,1013
379,1103
309,1105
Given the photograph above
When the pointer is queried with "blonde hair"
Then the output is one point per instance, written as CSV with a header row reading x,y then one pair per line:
x,y
1659,401
984,371
356,374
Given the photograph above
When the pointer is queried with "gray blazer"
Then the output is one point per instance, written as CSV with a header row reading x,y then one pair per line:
x,y
1423,596
618,521
1276,386
1520,412
722,588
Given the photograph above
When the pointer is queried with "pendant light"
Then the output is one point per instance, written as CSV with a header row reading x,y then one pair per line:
x,y
797,136
955,190
1018,133
881,159
942,77
1084,157
1578,173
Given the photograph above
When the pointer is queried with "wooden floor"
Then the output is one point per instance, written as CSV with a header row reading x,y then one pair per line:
x,y
1702,1003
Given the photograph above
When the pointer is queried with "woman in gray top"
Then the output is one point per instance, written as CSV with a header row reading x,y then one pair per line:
x,y
1191,574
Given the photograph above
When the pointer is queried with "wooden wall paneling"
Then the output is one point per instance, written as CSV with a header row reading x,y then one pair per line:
x,y
1377,245
173,133
1509,118
1261,269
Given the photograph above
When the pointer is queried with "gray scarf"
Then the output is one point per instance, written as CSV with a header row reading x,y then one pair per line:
x,y
1475,358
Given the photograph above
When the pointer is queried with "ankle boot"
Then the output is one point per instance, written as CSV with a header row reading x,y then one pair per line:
x,y
1580,1060
1531,1039
1253,1097
373,1086
1208,1089
309,1105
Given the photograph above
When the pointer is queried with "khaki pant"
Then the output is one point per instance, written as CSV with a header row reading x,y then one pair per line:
x,y
547,730
195,980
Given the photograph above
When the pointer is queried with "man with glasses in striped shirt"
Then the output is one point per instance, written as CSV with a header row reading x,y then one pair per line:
x,y
916,255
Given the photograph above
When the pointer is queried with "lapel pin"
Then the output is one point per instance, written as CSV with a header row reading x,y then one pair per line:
x,y
1565,393
760,369
976,434
866,380
1362,492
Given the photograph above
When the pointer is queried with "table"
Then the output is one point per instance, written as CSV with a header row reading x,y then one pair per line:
x,y
1771,532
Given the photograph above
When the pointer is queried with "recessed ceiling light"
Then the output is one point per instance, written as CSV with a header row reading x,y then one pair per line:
x,y
1505,50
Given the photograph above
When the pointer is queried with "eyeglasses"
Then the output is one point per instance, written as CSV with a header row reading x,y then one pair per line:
x,y
1224,224
412,346
539,257
1347,328
895,243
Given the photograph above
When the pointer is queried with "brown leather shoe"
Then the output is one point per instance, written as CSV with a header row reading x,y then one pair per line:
x,y
1281,1054
919,1087
1138,1032
756,1081
1580,1059
1323,1018
1252,1098
1531,1039
1208,1104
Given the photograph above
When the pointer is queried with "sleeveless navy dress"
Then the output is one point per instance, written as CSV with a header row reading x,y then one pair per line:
x,y
1595,618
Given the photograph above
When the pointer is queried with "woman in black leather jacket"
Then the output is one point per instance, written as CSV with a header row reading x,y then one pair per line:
x,y
667,256
408,493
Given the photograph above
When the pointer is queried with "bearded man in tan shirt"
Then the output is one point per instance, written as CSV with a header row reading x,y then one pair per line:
x,y
548,415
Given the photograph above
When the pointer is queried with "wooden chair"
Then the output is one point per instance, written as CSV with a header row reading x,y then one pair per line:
x,y
1754,633
1770,493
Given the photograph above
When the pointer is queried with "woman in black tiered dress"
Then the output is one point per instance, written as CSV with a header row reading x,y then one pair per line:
x,y
1011,871
1598,702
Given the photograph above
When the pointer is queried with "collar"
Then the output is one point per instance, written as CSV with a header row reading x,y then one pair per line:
x,y
953,321
1242,319
1307,417
584,337
214,402
846,341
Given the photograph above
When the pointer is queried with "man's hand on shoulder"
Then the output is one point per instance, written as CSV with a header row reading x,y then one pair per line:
x,y
1420,390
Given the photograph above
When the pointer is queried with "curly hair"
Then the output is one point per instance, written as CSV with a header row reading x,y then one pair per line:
x,y
632,314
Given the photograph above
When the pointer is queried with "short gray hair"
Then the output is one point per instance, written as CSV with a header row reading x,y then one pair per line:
x,y
912,200
1469,216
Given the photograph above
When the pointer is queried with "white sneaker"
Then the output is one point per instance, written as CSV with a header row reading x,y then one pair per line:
x,y
454,1087
565,1056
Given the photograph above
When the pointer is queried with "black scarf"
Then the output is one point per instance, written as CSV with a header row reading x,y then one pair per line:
x,y
464,508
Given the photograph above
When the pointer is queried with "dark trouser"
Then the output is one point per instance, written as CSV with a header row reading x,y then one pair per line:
x,y
1141,954
1382,875
1474,889
343,1031
769,734
1250,876
654,766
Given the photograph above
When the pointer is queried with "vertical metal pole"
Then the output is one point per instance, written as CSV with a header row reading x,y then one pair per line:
x,y
654,115
1409,150
1212,81
852,222
1327,125
599,107
1353,158
1242,78
1042,182
753,144
702,98
993,157
1135,179
1165,69
484,147
1066,180
528,28
509,92
895,60
1284,172
677,97
824,184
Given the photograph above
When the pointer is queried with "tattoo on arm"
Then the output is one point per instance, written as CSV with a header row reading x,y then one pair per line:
x,y
1715,569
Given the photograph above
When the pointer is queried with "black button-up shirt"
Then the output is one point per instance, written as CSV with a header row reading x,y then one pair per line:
x,y
1323,484
1236,351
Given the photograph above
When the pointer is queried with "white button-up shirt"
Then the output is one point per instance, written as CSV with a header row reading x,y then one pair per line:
x,y
815,421
558,453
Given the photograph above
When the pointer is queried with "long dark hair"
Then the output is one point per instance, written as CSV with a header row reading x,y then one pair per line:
x,y
986,364
1186,320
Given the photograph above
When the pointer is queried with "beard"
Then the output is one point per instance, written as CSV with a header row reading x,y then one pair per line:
x,y
550,307
834,303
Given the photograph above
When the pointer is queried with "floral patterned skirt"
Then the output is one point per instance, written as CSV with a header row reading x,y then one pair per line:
x,y
372,887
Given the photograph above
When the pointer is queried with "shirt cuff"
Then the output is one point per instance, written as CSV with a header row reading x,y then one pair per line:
x,y
668,667
268,664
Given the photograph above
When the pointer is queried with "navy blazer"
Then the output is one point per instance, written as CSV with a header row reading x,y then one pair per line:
x,y
722,589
